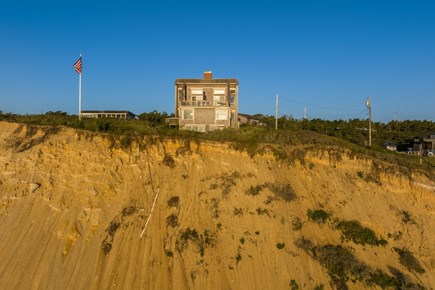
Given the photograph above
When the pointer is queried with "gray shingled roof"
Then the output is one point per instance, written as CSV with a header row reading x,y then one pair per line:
x,y
202,81
105,112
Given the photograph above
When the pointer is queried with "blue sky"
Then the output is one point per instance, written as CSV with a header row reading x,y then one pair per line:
x,y
327,56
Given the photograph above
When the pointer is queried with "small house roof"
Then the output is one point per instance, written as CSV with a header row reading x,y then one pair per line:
x,y
106,112
202,81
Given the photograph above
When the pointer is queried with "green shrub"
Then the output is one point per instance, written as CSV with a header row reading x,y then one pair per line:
x,y
294,285
106,246
238,258
154,118
225,182
173,201
254,190
201,241
299,155
408,260
172,220
128,211
280,154
404,280
284,192
169,253
214,204
242,240
406,217
280,246
238,212
341,263
383,280
169,161
102,125
318,215
262,211
126,141
306,245
296,224
189,234
353,230
281,191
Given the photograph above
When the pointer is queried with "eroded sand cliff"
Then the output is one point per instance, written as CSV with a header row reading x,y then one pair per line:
x,y
73,205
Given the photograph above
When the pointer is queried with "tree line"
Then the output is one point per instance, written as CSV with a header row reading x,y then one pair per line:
x,y
352,130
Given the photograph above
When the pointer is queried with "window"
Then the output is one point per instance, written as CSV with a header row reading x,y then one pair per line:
x,y
180,94
221,114
232,96
196,94
196,91
219,97
196,128
218,100
187,114
216,127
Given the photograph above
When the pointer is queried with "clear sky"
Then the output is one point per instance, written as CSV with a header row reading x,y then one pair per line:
x,y
325,55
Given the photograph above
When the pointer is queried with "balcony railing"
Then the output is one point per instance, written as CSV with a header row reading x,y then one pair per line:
x,y
205,104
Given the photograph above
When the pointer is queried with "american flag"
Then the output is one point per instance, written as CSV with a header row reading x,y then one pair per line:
x,y
78,66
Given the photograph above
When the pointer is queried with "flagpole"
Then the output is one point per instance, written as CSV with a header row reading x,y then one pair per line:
x,y
80,93
276,112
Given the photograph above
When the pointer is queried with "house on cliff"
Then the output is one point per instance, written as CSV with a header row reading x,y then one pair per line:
x,y
206,104
424,145
249,120
107,114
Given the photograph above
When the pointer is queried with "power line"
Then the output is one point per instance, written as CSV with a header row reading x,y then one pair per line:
x,y
363,112
313,105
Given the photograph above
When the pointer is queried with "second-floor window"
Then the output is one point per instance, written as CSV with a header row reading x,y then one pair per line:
x,y
219,97
181,95
196,94
232,97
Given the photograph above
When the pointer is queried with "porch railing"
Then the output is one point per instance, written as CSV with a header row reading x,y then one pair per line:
x,y
172,121
205,104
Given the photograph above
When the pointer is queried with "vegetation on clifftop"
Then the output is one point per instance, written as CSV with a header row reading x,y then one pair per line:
x,y
318,133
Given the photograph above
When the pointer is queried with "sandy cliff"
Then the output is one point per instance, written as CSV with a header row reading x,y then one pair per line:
x,y
73,205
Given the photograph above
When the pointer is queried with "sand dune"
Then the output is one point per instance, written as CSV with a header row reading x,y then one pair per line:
x,y
73,205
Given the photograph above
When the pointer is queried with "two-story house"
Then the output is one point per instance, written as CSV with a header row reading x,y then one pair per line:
x,y
424,146
206,104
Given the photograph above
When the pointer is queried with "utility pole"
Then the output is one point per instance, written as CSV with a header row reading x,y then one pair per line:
x,y
369,108
305,113
276,113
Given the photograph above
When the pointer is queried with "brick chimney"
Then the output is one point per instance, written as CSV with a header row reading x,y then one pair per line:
x,y
208,75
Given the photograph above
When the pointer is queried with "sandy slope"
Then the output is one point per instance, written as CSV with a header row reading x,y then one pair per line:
x,y
73,205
